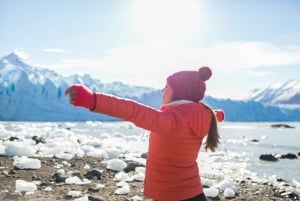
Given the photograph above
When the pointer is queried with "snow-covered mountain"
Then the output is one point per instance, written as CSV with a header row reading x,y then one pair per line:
x,y
35,94
282,93
30,93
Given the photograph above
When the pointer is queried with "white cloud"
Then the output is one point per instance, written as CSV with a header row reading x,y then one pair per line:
x,y
235,55
159,62
56,50
150,65
241,55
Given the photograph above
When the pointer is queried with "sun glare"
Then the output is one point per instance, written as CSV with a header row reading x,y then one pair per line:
x,y
166,21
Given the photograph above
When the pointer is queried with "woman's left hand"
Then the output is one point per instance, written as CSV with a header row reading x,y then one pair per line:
x,y
80,95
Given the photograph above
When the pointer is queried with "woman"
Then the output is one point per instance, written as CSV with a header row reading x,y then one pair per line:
x,y
177,131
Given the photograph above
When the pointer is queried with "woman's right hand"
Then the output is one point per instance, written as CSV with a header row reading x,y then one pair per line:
x,y
220,115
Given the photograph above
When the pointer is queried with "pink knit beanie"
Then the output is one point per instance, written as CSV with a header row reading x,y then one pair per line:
x,y
190,85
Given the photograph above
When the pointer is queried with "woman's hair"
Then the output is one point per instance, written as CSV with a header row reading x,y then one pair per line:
x,y
213,137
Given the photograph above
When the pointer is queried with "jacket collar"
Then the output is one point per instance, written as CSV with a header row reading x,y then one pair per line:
x,y
176,103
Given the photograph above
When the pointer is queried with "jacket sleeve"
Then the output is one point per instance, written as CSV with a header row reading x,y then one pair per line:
x,y
141,115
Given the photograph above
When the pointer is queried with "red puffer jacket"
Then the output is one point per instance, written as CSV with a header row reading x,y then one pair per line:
x,y
176,136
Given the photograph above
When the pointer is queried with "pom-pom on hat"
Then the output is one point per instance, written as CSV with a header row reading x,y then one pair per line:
x,y
190,85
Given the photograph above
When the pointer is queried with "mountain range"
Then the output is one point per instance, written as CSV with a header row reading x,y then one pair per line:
x,y
31,93
279,94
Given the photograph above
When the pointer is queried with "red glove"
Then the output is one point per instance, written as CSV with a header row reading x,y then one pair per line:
x,y
220,115
81,96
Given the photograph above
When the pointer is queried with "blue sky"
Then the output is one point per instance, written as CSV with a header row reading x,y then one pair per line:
x,y
247,43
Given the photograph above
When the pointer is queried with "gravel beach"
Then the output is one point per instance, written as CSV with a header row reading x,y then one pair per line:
x,y
49,189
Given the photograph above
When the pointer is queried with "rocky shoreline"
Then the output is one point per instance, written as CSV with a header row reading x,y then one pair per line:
x,y
102,186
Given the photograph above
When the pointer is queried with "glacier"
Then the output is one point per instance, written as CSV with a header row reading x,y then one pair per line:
x,y
31,93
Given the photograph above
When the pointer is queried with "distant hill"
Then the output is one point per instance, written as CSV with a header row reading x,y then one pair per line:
x,y
30,93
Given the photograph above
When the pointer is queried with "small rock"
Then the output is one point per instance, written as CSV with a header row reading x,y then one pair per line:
x,y
242,182
293,195
144,155
93,189
281,126
131,166
12,171
58,178
254,140
93,198
13,138
268,157
44,184
38,139
280,180
94,173
288,156
77,174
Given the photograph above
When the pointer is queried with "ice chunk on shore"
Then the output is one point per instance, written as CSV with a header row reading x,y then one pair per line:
x,y
121,176
136,198
123,190
226,183
24,186
112,153
229,193
139,177
26,163
77,180
66,156
297,183
84,198
18,149
211,192
74,194
48,189
140,170
207,182
73,180
116,165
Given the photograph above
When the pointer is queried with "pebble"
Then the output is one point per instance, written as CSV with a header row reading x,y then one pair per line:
x,y
94,173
